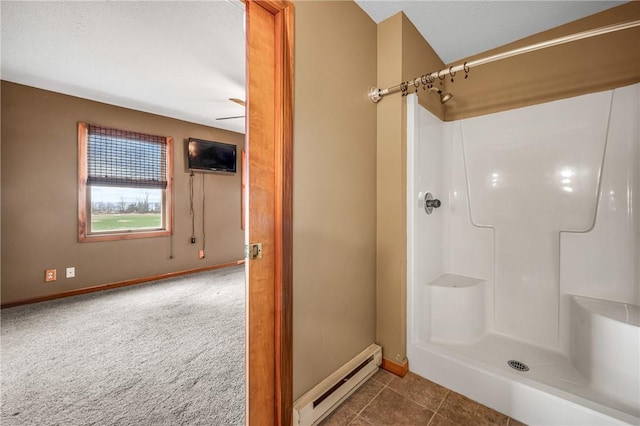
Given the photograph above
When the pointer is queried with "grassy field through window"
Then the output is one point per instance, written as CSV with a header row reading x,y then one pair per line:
x,y
120,221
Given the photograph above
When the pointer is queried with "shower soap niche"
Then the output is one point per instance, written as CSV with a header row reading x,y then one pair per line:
x,y
457,308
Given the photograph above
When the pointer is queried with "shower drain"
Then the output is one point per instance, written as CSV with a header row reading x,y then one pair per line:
x,y
517,365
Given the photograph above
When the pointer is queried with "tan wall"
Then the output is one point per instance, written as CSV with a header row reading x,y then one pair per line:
x,y
417,56
391,222
0,195
586,66
39,199
334,228
402,54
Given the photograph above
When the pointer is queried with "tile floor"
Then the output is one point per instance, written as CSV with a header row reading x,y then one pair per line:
x,y
388,400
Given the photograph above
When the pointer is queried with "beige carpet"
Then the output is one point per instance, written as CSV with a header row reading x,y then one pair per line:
x,y
169,352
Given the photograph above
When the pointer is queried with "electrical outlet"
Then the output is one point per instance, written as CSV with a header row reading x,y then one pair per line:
x,y
71,272
49,275
201,254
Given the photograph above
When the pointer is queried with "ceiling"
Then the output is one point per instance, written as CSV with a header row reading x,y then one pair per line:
x,y
185,59
458,29
180,59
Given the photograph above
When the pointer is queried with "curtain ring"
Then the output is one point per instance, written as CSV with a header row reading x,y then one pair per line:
x,y
430,79
425,82
451,73
466,70
403,87
441,77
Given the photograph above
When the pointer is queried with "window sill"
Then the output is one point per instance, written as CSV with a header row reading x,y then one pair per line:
x,y
122,236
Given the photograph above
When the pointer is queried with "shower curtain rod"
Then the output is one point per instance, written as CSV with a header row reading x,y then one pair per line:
x,y
376,93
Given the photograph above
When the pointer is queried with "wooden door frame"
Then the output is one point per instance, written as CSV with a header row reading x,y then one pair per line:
x,y
269,384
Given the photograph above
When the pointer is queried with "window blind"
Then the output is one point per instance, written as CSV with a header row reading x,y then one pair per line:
x,y
122,158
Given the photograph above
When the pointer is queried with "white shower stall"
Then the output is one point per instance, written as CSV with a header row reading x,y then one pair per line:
x,y
532,259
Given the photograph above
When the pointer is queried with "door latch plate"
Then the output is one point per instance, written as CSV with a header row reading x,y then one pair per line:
x,y
253,251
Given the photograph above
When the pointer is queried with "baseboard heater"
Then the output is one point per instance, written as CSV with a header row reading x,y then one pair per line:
x,y
319,402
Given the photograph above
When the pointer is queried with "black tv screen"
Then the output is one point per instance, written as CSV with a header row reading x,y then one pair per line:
x,y
211,156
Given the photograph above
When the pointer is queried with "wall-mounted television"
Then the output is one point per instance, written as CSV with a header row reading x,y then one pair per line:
x,y
211,156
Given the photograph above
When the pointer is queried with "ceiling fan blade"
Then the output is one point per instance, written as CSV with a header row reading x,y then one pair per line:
x,y
238,101
229,118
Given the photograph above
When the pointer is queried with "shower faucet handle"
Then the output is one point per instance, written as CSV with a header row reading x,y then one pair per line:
x,y
430,203
434,203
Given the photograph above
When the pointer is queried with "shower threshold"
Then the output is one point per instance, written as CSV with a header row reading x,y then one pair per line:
x,y
480,371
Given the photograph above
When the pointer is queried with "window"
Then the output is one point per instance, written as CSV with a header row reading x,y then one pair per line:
x,y
124,184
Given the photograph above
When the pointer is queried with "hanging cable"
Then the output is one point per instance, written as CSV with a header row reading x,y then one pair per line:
x,y
203,200
191,212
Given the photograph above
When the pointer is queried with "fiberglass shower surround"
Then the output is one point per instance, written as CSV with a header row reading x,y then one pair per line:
x,y
533,257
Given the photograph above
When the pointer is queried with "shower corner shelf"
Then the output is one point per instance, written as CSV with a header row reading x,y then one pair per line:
x,y
455,281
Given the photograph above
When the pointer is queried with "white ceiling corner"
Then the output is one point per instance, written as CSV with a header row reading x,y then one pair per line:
x,y
458,29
